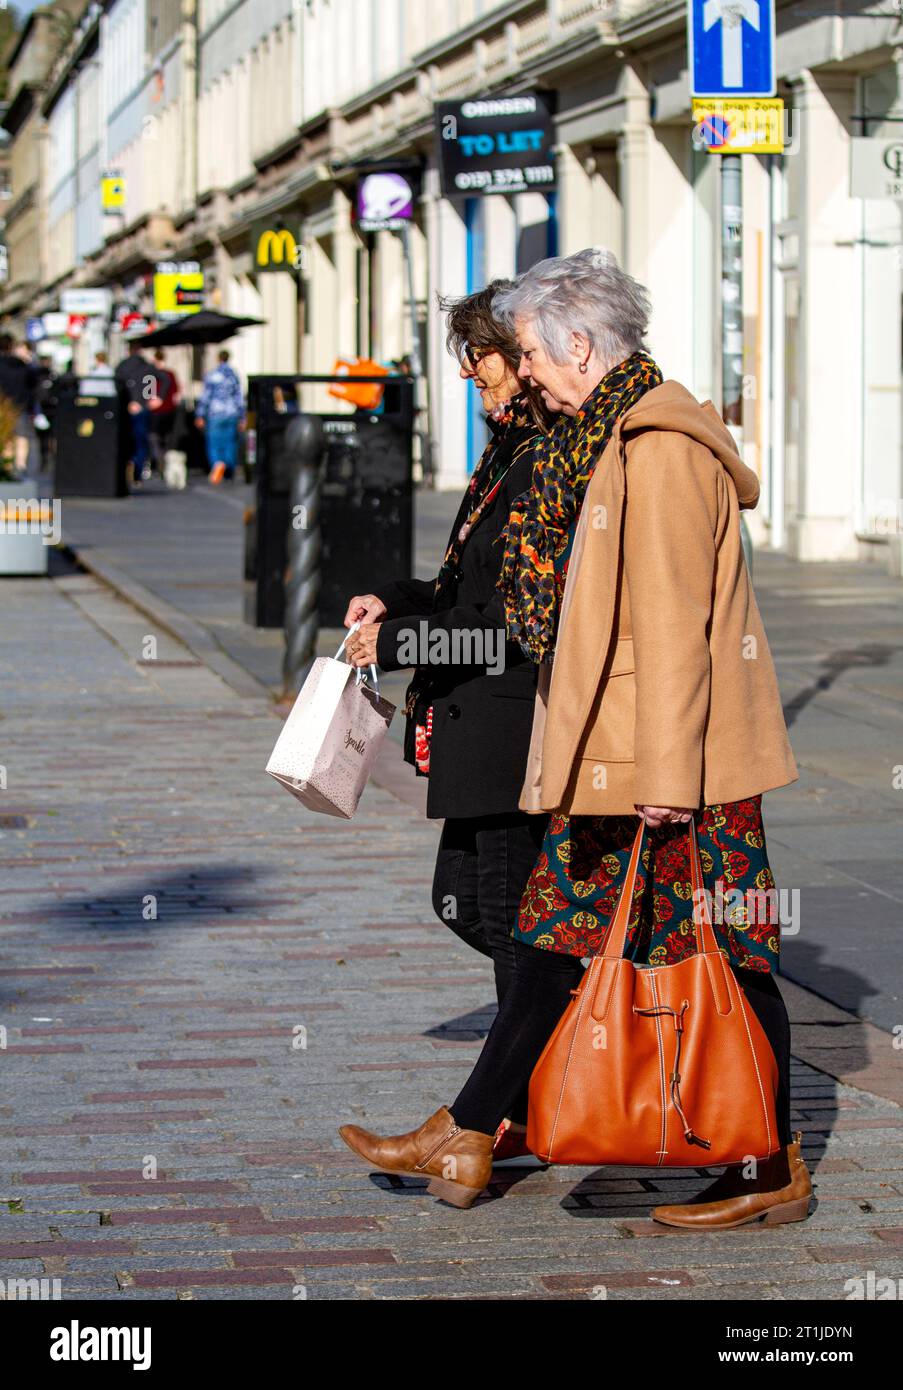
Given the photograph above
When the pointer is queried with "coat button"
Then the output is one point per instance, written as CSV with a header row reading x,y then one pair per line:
x,y
454,711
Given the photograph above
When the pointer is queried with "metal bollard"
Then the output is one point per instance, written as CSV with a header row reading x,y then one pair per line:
x,y
305,442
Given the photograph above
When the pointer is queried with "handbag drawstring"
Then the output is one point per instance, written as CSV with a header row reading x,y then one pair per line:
x,y
678,1021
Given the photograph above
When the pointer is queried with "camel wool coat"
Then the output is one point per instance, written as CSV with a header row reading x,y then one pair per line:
x,y
662,691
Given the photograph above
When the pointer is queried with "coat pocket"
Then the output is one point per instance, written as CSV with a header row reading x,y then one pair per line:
x,y
609,735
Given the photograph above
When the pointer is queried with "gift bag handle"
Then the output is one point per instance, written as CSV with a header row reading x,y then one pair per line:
x,y
359,673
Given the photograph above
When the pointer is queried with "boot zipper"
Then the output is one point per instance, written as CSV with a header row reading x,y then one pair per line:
x,y
455,1129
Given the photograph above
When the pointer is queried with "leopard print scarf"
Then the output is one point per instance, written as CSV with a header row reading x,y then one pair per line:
x,y
539,526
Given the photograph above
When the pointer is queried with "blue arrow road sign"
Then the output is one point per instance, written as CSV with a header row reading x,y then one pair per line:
x,y
731,48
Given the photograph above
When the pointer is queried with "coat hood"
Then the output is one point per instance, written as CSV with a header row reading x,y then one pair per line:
x,y
672,407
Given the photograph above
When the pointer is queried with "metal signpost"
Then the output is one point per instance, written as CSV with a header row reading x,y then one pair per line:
x,y
732,60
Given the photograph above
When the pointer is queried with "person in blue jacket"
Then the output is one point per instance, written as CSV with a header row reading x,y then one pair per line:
x,y
220,413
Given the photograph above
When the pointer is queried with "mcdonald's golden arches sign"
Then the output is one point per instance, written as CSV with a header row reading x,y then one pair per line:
x,y
275,248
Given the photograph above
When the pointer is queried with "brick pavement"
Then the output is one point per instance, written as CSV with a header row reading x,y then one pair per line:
x,y
160,1135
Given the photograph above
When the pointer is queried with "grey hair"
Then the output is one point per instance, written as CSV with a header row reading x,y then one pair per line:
x,y
586,293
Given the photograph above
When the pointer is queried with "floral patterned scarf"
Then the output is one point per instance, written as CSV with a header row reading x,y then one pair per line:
x,y
540,524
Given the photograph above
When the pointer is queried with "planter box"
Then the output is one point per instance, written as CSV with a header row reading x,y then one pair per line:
x,y
22,547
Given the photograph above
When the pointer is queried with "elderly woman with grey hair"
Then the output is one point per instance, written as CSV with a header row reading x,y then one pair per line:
x,y
624,579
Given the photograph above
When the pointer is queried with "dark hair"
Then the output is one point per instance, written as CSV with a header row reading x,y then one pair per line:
x,y
223,354
471,323
7,342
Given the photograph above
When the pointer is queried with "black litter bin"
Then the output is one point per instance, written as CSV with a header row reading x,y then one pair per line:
x,y
91,439
366,499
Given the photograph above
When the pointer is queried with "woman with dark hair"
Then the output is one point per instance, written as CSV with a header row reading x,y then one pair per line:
x,y
469,706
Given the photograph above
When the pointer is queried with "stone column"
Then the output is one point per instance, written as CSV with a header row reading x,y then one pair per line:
x,y
633,167
829,333
344,306
447,241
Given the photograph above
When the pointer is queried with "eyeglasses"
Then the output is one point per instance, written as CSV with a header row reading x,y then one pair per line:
x,y
474,355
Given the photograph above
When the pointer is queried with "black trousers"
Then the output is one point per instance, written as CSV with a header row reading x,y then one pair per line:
x,y
481,871
538,992
161,423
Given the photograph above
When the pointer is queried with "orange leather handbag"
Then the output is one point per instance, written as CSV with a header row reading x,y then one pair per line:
x,y
659,1066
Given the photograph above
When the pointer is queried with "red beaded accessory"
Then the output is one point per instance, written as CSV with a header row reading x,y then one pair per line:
x,y
422,735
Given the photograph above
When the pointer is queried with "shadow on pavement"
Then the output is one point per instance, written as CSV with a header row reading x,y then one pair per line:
x,y
156,901
835,666
469,1027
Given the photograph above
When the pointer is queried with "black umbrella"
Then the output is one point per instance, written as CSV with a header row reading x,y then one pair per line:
x,y
206,326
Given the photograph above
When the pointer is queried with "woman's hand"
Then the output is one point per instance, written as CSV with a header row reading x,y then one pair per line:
x,y
364,608
657,816
361,645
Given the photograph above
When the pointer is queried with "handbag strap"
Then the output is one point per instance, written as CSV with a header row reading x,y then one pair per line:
x,y
359,674
617,936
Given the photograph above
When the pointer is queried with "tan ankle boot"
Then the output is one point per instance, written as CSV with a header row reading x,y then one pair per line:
x,y
779,1192
459,1161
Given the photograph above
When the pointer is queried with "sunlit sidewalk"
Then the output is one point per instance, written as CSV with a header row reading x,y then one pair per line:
x,y
200,980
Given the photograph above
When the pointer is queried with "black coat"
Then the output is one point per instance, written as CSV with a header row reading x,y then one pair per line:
x,y
481,720
18,380
132,377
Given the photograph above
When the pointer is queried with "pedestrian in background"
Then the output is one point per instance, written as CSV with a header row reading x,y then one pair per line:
x,y
29,356
166,391
468,727
44,407
220,414
18,382
136,383
101,365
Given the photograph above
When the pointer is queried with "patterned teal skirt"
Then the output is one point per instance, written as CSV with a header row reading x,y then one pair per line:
x,y
573,891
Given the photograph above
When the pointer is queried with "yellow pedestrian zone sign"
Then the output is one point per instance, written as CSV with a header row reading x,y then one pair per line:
x,y
738,125
112,192
275,248
178,289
